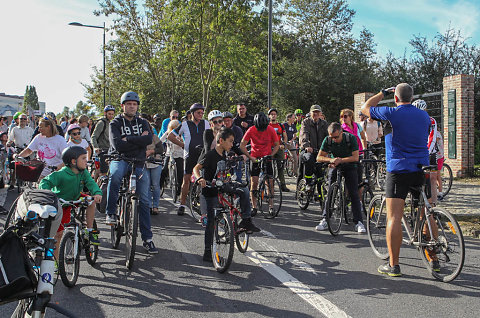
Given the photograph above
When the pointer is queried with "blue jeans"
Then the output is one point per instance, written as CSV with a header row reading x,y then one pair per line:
x,y
155,174
118,169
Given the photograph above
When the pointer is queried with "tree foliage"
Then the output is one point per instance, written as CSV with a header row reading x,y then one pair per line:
x,y
30,99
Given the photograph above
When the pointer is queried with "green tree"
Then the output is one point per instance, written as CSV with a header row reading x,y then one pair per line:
x,y
30,99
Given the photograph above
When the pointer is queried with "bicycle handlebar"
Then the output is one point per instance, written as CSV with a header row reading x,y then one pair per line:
x,y
81,200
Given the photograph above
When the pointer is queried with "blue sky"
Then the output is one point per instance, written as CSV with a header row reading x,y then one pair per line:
x,y
40,49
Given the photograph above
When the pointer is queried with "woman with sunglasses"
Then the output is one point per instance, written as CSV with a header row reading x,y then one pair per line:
x,y
75,139
350,126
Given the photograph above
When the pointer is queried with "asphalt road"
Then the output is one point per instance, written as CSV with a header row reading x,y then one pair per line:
x,y
290,270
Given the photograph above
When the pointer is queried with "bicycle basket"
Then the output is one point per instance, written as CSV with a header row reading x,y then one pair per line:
x,y
30,170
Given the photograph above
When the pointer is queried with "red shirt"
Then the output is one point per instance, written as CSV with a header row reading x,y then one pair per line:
x,y
278,130
262,141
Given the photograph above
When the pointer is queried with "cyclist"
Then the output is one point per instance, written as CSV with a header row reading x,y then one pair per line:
x,y
15,121
84,131
174,151
209,196
238,135
298,120
52,117
67,184
343,148
19,135
262,137
243,119
192,133
173,115
406,149
101,139
282,137
312,134
374,132
291,130
129,137
75,139
215,118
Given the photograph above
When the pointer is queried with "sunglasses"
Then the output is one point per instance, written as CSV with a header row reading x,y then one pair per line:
x,y
23,119
335,137
174,117
75,134
217,121
345,116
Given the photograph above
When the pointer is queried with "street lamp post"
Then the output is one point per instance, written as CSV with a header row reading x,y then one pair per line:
x,y
270,9
96,27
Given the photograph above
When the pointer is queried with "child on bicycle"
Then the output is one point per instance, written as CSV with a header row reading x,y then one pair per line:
x,y
209,197
67,184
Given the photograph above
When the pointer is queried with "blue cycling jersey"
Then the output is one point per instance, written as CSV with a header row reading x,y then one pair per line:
x,y
406,147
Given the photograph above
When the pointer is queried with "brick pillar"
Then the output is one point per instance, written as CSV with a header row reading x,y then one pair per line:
x,y
358,100
463,84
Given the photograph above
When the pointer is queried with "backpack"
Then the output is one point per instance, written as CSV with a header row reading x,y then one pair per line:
x,y
105,123
347,138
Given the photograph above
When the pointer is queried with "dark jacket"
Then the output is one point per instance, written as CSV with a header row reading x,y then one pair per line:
x,y
237,121
312,135
208,139
136,145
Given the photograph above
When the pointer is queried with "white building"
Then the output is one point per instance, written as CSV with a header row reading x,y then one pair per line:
x,y
10,104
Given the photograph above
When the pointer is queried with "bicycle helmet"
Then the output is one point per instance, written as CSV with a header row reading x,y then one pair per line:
x,y
196,106
420,104
272,110
214,114
72,152
72,127
108,108
129,96
261,121
227,115
51,115
298,111
17,114
156,116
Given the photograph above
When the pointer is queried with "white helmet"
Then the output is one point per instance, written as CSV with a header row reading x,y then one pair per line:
x,y
214,113
420,104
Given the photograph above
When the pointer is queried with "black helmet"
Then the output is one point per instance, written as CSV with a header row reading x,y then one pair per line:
x,y
72,152
261,121
272,110
196,106
129,96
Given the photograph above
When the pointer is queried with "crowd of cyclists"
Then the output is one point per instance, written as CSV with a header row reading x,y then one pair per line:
x,y
197,145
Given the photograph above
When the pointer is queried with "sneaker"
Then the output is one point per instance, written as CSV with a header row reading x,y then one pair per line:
x,y
435,265
284,188
207,256
254,212
181,210
271,211
390,271
111,219
93,238
154,211
248,225
360,228
150,247
322,226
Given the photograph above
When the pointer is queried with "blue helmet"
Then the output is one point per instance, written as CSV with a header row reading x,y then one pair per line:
x,y
129,96
108,108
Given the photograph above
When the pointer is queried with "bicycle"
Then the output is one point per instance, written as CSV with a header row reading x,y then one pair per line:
x,y
269,193
306,194
289,160
74,240
33,229
448,244
336,204
447,179
367,192
381,172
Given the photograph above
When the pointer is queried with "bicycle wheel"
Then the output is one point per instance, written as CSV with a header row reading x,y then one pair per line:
x,y
91,251
447,179
194,201
68,259
367,196
290,167
11,215
22,307
334,209
377,226
449,247
303,198
241,238
116,231
173,182
269,197
131,226
222,244
381,175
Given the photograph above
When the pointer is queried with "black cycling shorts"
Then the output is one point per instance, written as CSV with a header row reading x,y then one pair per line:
x,y
190,162
255,168
397,185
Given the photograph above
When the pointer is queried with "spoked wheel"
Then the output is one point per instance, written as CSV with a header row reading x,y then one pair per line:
x,y
173,183
381,175
222,245
10,220
447,179
269,197
131,226
22,307
91,251
377,226
303,198
116,231
448,248
68,259
194,200
241,237
290,167
334,209
367,196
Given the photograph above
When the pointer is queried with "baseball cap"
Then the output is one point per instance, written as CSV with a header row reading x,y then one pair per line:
x,y
315,108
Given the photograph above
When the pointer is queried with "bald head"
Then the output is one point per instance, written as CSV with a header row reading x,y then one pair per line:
x,y
404,93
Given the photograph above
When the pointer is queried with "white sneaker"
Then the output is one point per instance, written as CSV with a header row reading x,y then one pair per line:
x,y
360,228
322,226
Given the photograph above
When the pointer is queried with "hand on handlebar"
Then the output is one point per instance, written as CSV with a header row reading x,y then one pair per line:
x,y
202,182
309,149
97,198
335,161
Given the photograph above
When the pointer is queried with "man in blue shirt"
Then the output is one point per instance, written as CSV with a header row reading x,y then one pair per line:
x,y
406,150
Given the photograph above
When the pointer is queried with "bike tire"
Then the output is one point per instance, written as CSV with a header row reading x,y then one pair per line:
x,y
131,230
301,194
68,260
265,193
116,231
334,210
377,226
173,183
450,246
242,237
290,167
101,207
447,179
223,242
381,175
367,196
10,219
22,307
91,251
194,201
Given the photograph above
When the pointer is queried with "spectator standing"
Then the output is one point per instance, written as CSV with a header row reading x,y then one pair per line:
x,y
243,119
84,132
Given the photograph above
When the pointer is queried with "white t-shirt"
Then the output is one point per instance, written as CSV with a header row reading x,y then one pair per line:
x,y
83,144
21,136
49,150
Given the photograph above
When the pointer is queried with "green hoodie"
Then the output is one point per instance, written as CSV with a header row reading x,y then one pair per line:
x,y
67,185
